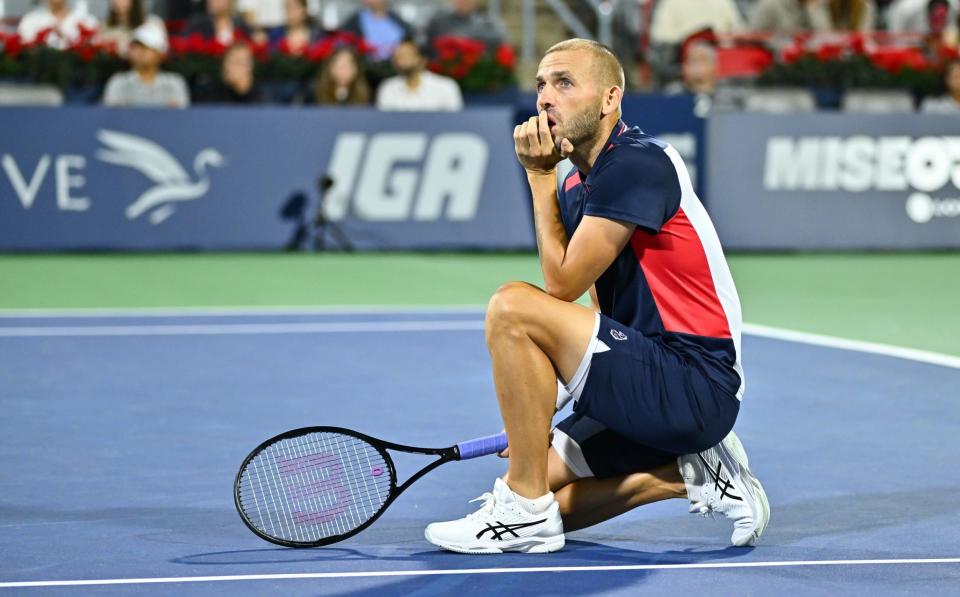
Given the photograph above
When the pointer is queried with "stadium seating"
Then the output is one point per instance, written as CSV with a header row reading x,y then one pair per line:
x,y
885,101
781,100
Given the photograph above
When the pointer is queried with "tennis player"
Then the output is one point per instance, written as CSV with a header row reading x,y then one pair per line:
x,y
654,368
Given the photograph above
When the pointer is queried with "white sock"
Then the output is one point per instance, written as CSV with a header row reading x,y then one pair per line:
x,y
535,506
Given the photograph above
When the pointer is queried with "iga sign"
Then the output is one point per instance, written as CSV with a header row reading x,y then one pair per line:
x,y
233,178
392,177
816,181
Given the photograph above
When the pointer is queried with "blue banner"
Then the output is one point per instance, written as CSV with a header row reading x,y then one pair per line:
x,y
835,181
238,178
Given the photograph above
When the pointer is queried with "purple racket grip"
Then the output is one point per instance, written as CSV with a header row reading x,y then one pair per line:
x,y
482,446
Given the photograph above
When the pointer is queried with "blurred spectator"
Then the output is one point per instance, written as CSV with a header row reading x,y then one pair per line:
x,y
219,23
262,15
236,84
631,41
177,10
65,25
941,32
949,103
300,29
380,27
415,88
699,71
124,17
786,17
675,20
914,16
342,81
464,19
146,85
853,15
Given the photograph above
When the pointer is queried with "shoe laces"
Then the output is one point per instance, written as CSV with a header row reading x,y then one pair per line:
x,y
486,508
704,509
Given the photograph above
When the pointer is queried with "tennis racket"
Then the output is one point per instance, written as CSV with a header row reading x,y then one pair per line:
x,y
318,485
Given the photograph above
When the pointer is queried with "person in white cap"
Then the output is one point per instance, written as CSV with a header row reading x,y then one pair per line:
x,y
146,85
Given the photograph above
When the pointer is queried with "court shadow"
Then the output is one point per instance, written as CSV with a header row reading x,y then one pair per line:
x,y
577,553
791,523
277,555
849,515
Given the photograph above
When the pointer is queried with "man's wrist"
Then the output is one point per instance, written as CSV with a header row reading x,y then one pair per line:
x,y
542,183
535,174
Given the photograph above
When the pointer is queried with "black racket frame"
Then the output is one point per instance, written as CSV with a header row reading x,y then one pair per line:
x,y
445,455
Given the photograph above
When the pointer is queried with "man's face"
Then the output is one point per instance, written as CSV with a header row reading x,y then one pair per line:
x,y
296,13
121,6
141,57
938,16
566,89
464,7
219,7
699,67
407,59
375,5
238,64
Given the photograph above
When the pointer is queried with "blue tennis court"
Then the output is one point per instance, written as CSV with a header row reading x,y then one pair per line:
x,y
122,435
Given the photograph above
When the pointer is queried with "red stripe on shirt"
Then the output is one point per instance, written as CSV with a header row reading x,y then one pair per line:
x,y
571,181
675,265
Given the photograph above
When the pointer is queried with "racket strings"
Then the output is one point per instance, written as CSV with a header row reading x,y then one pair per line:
x,y
306,485
313,487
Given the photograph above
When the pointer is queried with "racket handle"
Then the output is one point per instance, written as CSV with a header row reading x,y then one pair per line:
x,y
482,446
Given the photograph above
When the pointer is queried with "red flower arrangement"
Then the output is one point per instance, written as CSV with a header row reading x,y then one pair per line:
x,y
857,60
472,64
50,58
89,61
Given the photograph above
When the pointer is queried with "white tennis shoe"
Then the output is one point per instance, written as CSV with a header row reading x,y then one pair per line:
x,y
501,524
720,480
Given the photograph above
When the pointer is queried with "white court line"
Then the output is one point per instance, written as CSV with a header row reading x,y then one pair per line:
x,y
911,354
468,571
241,328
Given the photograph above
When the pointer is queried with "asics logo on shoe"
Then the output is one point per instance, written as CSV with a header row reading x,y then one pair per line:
x,y
719,483
499,530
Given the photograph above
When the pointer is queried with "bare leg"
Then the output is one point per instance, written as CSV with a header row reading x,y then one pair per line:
x,y
532,337
591,501
588,501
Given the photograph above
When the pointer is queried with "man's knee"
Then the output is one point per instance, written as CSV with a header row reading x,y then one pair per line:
x,y
509,309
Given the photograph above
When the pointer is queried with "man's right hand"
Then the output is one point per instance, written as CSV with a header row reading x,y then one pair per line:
x,y
535,147
505,453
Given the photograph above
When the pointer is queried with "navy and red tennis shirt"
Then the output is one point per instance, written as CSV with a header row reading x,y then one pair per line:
x,y
671,282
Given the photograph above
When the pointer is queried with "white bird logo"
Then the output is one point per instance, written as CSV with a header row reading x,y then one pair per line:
x,y
157,164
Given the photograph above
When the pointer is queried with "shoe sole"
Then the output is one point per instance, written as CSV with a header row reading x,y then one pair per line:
x,y
764,506
524,545
759,501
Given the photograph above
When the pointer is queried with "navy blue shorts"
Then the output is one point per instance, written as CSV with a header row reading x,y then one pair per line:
x,y
639,404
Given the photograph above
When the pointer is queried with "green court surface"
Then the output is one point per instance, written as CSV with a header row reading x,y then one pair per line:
x,y
905,299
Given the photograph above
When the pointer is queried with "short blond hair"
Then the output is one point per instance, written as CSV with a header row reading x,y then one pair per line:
x,y
607,70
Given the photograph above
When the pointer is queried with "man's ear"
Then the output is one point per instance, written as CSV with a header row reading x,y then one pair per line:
x,y
611,100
